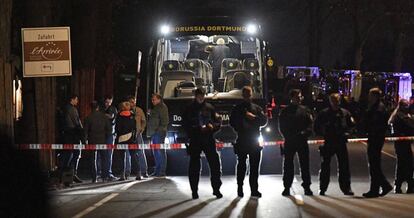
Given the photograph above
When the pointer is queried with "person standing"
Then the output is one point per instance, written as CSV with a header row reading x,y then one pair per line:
x,y
157,130
110,112
72,134
141,123
246,118
334,124
295,123
218,53
200,121
97,131
125,129
403,124
376,125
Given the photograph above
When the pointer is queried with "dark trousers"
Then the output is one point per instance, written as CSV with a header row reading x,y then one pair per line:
x,y
134,157
344,178
103,163
404,168
69,159
378,179
195,166
254,165
290,150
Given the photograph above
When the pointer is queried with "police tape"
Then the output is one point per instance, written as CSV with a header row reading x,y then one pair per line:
x,y
175,146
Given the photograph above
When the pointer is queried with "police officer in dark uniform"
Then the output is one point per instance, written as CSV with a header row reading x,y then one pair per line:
x,y
334,124
376,125
403,125
247,118
200,122
295,123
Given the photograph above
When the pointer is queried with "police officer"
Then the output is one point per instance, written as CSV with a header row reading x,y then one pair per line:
x,y
247,118
334,124
376,125
200,122
403,125
295,123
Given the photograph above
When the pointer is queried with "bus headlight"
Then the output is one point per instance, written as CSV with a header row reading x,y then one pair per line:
x,y
252,29
165,29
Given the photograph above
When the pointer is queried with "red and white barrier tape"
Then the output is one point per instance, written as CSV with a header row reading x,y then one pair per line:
x,y
173,146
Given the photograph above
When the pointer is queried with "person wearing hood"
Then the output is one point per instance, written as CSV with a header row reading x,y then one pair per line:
x,y
246,119
200,121
403,125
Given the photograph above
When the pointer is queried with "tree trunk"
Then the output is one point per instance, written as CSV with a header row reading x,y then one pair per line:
x,y
6,94
358,58
39,94
85,23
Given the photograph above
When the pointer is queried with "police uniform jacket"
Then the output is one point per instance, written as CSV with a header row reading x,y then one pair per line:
x,y
403,124
334,125
295,123
248,131
195,117
376,120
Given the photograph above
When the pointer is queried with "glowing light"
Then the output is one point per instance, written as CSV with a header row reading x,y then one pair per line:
x,y
268,129
252,29
165,29
260,140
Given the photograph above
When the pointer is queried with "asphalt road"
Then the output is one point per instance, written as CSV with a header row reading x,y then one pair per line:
x,y
171,196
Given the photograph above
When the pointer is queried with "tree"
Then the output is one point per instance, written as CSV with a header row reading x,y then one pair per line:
x,y
365,15
6,111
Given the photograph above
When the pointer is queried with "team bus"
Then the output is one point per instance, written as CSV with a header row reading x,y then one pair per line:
x,y
220,55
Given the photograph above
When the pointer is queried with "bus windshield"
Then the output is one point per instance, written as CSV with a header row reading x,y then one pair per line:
x,y
221,64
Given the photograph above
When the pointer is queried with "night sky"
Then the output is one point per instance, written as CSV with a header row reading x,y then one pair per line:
x,y
310,33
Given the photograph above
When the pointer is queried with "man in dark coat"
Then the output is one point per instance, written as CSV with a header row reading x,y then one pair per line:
x,y
375,122
295,123
111,112
97,130
247,118
200,122
72,134
334,124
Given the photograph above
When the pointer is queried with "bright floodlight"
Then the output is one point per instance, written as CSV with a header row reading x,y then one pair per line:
x,y
165,29
260,139
252,29
268,129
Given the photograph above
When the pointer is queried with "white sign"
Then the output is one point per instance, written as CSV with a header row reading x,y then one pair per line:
x,y
46,52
